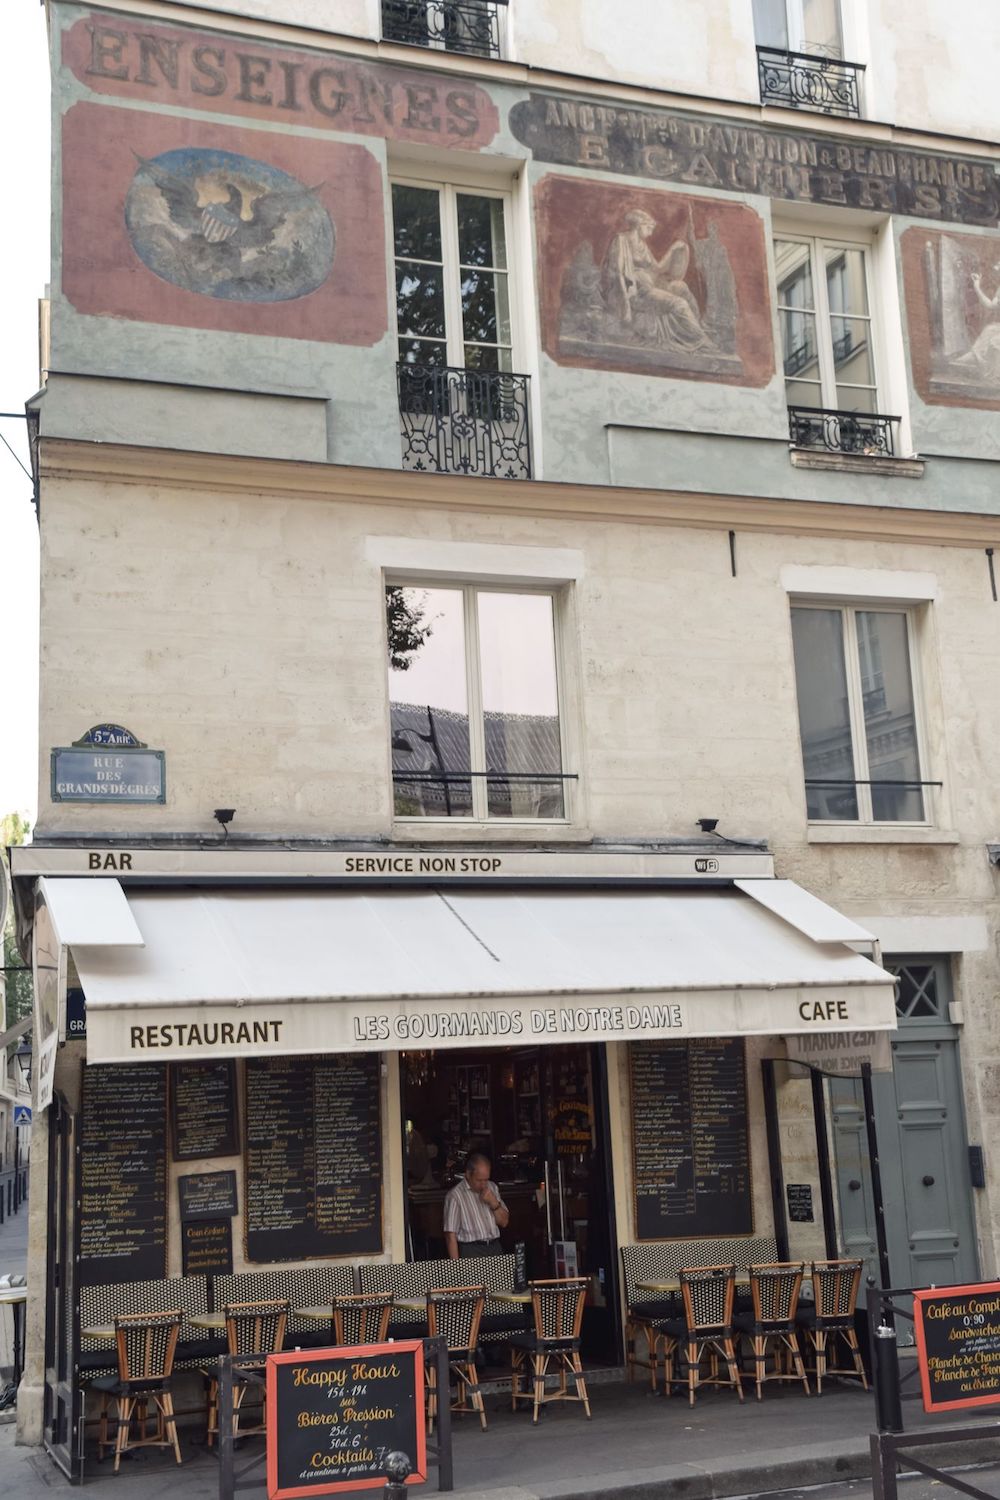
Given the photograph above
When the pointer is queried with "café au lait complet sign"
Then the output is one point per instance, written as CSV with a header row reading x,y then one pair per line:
x,y
108,764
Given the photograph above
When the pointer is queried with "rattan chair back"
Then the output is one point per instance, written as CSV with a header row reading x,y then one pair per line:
x,y
835,1290
708,1297
256,1327
557,1307
454,1313
146,1345
362,1319
775,1290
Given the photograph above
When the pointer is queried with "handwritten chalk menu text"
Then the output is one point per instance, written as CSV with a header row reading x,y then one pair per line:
x,y
958,1345
207,1195
690,1139
207,1247
203,1109
313,1157
334,1417
123,1174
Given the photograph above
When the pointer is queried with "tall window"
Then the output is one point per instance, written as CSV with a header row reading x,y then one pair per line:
x,y
799,26
857,715
452,277
826,324
474,703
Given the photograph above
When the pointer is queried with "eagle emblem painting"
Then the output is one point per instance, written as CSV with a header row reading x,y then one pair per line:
x,y
227,226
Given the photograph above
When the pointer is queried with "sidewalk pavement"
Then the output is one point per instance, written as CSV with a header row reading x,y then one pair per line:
x,y
638,1447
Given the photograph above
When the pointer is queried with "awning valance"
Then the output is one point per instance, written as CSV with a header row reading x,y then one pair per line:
x,y
234,973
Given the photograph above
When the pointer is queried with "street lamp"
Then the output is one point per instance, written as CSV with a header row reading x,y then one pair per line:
x,y
23,1059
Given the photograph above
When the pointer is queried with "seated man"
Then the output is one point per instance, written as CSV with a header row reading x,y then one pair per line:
x,y
474,1212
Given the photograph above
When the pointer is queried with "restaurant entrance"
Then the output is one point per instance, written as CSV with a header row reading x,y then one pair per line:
x,y
541,1115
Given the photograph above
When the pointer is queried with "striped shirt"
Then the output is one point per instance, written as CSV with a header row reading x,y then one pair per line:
x,y
467,1217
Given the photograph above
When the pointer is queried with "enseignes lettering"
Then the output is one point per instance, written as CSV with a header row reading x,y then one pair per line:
x,y
204,1034
351,95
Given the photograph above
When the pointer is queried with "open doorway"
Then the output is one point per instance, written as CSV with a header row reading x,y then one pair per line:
x,y
541,1115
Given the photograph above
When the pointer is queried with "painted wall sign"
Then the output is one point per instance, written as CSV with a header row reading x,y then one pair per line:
x,y
653,282
335,1415
208,71
711,152
117,775
952,290
173,220
958,1345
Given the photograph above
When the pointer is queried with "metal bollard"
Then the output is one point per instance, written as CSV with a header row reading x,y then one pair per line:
x,y
397,1467
888,1405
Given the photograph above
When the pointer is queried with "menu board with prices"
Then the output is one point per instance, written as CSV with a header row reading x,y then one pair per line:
x,y
207,1195
207,1247
203,1109
333,1418
958,1345
123,1174
313,1158
690,1139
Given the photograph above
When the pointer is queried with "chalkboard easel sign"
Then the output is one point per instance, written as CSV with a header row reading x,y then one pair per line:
x,y
336,1414
958,1345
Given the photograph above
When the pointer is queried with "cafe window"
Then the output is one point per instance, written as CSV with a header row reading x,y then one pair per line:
x,y
824,308
474,703
859,716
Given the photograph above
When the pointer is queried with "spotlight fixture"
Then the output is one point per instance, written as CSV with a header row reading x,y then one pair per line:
x,y
707,825
224,816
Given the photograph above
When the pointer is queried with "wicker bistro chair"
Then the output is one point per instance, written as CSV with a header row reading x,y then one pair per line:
x,y
146,1344
706,1328
770,1327
557,1313
363,1319
454,1313
251,1328
830,1318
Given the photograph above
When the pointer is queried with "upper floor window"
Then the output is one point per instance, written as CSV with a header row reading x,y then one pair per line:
x,y
462,408
800,54
474,703
468,26
828,346
858,716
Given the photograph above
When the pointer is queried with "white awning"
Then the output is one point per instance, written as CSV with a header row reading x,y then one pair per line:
x,y
91,911
236,973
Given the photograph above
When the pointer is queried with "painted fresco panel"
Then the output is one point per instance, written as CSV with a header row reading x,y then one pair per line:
x,y
172,220
952,289
653,282
208,71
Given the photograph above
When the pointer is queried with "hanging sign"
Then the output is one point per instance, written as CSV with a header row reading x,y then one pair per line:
x,y
334,1416
958,1345
108,764
841,1052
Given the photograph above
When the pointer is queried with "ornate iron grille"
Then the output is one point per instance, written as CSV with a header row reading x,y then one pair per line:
x,y
802,80
469,26
458,421
842,431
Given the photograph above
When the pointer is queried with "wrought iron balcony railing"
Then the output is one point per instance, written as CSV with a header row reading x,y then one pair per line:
x,y
804,80
859,432
457,421
469,26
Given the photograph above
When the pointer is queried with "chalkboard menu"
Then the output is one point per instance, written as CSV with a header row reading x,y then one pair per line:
x,y
800,1202
207,1247
313,1157
690,1139
123,1174
207,1195
203,1109
334,1418
958,1345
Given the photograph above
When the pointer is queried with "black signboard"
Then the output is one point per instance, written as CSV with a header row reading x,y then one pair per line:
x,y
207,1247
123,1174
958,1345
334,1416
208,1195
800,1202
313,1158
203,1109
690,1139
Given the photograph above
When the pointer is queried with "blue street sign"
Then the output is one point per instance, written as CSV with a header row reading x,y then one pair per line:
x,y
22,1115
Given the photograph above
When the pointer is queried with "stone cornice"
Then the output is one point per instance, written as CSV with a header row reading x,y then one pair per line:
x,y
105,463
521,75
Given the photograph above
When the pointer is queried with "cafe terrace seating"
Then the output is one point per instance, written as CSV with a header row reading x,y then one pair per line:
x,y
770,1327
830,1318
662,1261
557,1313
705,1330
145,1346
251,1328
454,1314
414,1279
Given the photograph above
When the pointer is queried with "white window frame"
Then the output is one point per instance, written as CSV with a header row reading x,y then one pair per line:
x,y
795,26
470,589
817,243
449,190
848,609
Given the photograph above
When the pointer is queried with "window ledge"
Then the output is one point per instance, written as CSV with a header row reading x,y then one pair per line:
x,y
451,831
876,833
857,463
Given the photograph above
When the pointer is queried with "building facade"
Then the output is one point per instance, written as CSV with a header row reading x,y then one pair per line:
x,y
480,444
